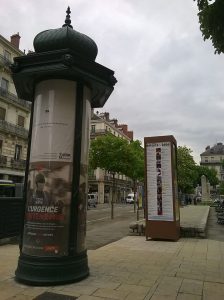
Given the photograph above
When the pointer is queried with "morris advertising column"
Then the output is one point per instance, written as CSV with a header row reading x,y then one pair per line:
x,y
63,82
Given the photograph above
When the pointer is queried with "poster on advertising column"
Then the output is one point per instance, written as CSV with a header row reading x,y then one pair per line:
x,y
49,185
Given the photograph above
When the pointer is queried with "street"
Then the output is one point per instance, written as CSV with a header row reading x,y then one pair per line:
x,y
101,230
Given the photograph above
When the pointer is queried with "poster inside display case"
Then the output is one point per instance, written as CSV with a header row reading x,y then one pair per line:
x,y
159,181
162,208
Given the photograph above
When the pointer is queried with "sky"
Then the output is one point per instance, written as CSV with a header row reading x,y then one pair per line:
x,y
170,82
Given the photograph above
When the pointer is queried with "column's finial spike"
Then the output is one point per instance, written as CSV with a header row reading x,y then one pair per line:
x,y
68,20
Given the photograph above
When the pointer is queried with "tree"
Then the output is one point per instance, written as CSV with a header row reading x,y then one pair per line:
x,y
109,153
211,175
186,170
211,20
135,163
221,188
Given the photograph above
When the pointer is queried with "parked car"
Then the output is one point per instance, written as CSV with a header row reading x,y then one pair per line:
x,y
130,198
92,200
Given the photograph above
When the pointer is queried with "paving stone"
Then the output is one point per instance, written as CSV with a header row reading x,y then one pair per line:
x,y
18,297
113,294
80,289
183,296
191,287
164,297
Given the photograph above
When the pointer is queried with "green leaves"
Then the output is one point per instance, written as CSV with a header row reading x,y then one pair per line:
x,y
189,174
211,20
116,155
211,175
186,170
136,161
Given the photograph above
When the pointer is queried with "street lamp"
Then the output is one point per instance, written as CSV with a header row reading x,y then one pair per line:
x,y
63,82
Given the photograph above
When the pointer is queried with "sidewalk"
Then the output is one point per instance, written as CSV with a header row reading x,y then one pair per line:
x,y
135,269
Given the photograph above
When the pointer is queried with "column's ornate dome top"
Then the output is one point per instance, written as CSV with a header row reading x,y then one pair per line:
x,y
66,38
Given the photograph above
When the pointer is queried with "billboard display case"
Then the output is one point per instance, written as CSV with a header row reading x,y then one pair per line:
x,y
162,207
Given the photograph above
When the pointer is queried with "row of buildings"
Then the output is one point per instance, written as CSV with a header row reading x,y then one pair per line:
x,y
14,125
213,157
14,116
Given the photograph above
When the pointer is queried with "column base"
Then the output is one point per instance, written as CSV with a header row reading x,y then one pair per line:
x,y
39,271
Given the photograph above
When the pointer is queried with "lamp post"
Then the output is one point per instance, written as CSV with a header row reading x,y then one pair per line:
x,y
63,82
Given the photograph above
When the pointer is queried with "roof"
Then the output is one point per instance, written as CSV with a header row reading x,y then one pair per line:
x,y
11,46
216,149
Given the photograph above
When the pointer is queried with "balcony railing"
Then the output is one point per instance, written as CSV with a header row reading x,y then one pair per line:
x,y
98,131
18,164
91,177
11,163
13,129
210,162
4,61
14,99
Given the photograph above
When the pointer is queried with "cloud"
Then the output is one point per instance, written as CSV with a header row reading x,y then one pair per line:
x,y
169,80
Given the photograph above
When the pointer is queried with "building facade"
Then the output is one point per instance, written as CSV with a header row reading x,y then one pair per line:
x,y
14,116
101,181
213,157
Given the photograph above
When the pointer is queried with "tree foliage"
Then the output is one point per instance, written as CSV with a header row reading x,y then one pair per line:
x,y
211,20
189,174
109,153
116,155
135,161
221,188
211,175
186,170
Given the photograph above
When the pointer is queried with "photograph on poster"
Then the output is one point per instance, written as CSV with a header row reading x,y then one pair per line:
x,y
159,180
47,209
158,155
158,164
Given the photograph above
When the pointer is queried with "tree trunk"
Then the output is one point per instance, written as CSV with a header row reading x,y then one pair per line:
x,y
134,195
112,201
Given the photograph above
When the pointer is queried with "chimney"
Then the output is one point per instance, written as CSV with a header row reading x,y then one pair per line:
x,y
15,38
107,116
114,122
207,148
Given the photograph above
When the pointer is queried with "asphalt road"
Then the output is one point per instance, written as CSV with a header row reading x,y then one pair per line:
x,y
102,230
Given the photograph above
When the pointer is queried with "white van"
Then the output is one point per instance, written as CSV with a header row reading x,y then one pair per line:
x,y
130,198
92,200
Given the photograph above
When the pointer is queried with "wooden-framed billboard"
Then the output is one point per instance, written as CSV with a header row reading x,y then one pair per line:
x,y
162,206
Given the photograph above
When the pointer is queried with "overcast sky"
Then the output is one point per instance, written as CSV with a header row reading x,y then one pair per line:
x,y
170,82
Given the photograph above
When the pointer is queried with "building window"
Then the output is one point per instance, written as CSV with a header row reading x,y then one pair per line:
x,y
7,55
5,84
2,113
21,121
18,152
93,128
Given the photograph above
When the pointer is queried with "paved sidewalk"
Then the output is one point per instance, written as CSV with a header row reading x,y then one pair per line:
x,y
135,269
